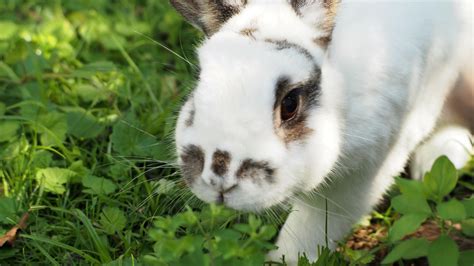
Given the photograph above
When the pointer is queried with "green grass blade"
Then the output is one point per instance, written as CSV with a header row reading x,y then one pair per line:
x,y
139,73
61,245
45,253
98,243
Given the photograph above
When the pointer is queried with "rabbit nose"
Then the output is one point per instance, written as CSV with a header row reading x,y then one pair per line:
x,y
220,185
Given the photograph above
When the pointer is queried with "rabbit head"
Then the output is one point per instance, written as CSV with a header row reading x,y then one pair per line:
x,y
260,126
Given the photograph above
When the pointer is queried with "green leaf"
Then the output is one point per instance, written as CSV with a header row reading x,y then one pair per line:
x,y
469,207
466,184
120,171
8,210
80,170
112,220
441,179
53,128
129,260
468,227
8,31
14,149
7,71
243,228
53,179
91,93
406,225
41,159
8,130
267,232
98,185
408,249
443,252
363,257
18,52
466,258
451,210
129,139
254,222
60,28
410,203
82,124
411,187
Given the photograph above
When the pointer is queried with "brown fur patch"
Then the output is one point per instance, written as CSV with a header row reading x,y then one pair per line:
x,y
255,169
192,158
284,44
220,162
296,132
322,41
296,129
190,120
329,21
248,32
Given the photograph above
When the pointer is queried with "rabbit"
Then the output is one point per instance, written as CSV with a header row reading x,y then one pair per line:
x,y
319,103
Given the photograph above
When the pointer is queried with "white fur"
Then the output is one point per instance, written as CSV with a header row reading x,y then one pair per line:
x,y
385,78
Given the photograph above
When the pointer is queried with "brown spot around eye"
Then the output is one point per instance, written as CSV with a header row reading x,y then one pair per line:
x,y
296,129
255,169
298,132
192,158
220,162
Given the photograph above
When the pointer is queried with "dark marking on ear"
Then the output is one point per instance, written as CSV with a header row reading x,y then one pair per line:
x,y
190,10
326,25
296,129
208,15
220,162
256,170
329,22
284,44
296,5
225,11
192,164
248,32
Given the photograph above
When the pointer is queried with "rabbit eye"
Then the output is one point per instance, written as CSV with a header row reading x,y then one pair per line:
x,y
289,105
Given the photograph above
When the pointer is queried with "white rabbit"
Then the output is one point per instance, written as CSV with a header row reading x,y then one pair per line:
x,y
308,100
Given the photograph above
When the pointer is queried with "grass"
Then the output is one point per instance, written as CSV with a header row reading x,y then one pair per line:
x,y
89,91
87,106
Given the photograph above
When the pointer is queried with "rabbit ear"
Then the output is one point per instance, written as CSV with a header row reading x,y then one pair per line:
x,y
208,15
318,13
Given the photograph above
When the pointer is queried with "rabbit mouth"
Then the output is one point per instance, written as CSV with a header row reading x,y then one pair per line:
x,y
244,196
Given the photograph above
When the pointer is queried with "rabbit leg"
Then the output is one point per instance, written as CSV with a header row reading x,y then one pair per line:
x,y
454,141
309,218
453,136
